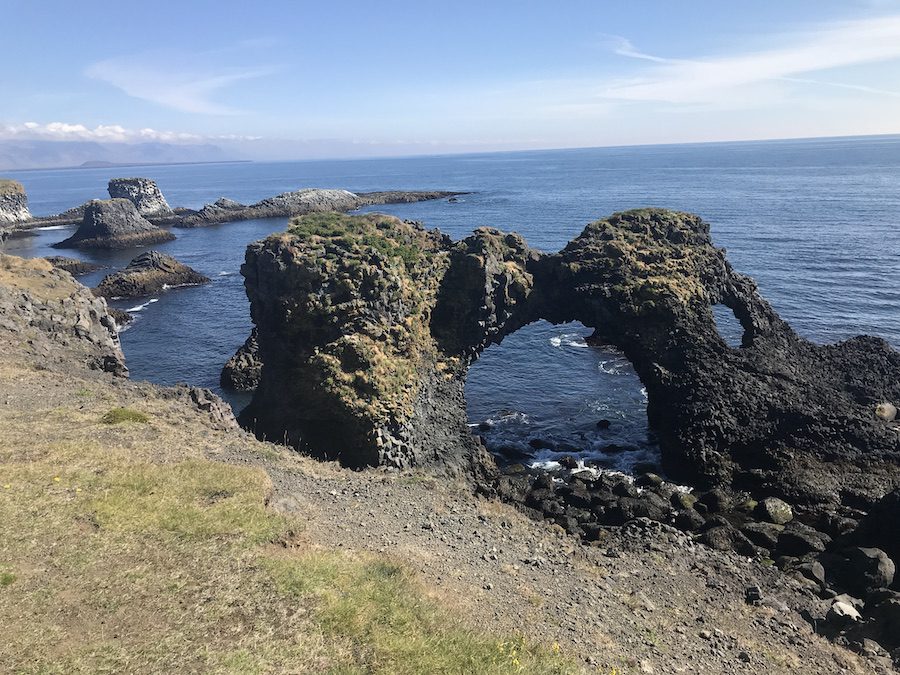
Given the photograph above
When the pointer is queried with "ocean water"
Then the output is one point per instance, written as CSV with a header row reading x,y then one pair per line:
x,y
815,222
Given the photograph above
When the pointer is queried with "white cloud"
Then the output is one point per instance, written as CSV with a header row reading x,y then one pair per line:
x,y
712,80
178,81
105,133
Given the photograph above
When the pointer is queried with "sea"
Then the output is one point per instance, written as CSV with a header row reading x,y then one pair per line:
x,y
815,222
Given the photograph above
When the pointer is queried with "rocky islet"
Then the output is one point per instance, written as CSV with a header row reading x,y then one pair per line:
x,y
149,273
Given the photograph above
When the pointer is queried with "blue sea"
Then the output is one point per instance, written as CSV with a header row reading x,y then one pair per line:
x,y
815,222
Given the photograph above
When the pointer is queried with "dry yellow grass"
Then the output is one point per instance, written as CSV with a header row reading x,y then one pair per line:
x,y
124,549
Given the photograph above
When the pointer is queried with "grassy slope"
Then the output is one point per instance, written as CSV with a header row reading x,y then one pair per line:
x,y
123,548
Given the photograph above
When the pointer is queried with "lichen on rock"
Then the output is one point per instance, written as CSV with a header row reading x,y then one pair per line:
x,y
143,193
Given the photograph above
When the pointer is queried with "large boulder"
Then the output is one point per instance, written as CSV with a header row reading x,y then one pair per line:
x,y
143,193
13,202
367,326
114,224
149,273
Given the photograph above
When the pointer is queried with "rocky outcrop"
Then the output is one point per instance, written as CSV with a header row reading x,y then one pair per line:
x,y
299,202
149,273
56,317
13,202
375,311
114,224
242,371
73,266
143,193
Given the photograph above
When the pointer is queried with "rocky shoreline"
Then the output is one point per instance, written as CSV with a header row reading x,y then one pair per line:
x,y
150,204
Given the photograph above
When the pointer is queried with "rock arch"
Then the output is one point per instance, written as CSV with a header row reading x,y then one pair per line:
x,y
367,325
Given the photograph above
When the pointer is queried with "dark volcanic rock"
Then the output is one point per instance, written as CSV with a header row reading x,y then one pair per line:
x,y
73,266
143,193
368,316
242,371
114,224
149,273
300,202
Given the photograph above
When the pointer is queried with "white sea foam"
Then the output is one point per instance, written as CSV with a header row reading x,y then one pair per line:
x,y
569,340
140,308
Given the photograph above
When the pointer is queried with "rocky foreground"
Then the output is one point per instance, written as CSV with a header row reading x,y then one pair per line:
x,y
366,326
136,537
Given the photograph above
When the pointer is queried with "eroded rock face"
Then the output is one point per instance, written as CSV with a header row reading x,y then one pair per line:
x,y
13,202
243,370
149,273
56,317
143,193
366,329
114,224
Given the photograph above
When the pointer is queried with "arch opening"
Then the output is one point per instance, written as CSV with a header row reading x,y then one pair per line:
x,y
729,326
544,393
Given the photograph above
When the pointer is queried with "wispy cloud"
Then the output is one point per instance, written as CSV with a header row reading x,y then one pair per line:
x,y
709,80
182,82
107,133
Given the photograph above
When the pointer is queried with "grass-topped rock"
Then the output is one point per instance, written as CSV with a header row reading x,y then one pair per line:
x,y
367,324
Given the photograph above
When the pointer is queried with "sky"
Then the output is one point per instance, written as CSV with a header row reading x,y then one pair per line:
x,y
287,80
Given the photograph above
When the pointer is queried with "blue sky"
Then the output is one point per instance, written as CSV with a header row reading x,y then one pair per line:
x,y
287,79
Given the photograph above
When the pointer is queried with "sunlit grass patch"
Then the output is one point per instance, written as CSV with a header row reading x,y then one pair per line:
x,y
122,415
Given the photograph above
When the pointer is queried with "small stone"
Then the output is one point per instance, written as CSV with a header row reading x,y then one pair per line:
x,y
705,634
489,587
744,656
683,500
753,594
886,411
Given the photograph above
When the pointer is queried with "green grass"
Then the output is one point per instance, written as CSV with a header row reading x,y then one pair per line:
x,y
113,561
123,415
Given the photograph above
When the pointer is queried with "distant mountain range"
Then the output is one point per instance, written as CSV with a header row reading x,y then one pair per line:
x,y
35,154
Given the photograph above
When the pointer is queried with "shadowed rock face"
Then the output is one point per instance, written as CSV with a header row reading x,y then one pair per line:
x,y
143,193
149,273
114,224
242,371
366,329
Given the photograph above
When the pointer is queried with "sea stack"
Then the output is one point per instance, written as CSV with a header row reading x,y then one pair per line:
x,y
149,273
143,193
114,224
13,202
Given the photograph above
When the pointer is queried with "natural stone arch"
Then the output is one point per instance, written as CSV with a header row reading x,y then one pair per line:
x,y
367,325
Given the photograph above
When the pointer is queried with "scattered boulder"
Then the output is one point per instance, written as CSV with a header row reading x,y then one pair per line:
x,y
842,613
886,412
114,224
143,193
774,510
149,273
242,371
73,266
13,202
867,569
